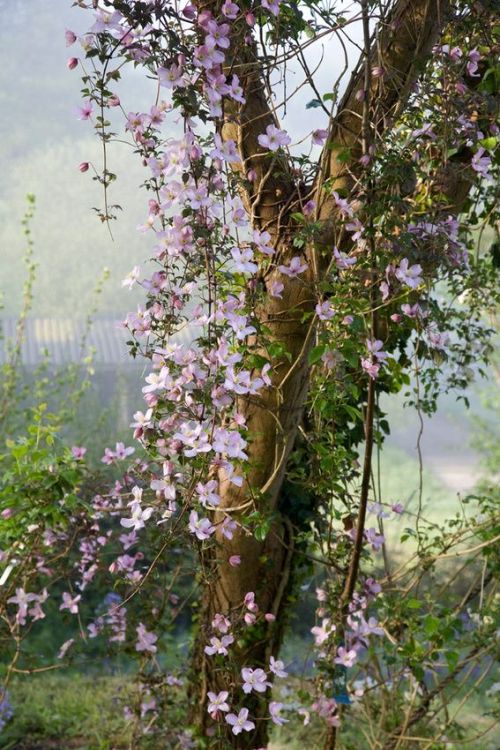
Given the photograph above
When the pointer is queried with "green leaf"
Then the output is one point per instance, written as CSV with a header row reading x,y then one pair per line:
x,y
316,353
431,624
353,412
489,143
413,604
452,658
261,531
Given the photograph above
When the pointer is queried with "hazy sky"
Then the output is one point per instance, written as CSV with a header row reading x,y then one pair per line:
x,y
43,143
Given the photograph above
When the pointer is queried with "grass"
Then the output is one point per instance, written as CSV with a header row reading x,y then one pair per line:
x,y
78,712
73,711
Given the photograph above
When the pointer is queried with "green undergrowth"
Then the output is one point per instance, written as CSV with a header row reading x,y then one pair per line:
x,y
83,712
71,711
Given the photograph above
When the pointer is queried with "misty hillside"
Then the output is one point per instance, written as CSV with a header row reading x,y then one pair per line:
x,y
43,143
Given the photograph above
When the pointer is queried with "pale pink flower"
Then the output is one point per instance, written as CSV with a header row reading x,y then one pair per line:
x,y
343,261
217,702
273,6
202,528
132,277
275,289
78,452
243,260
70,37
240,723
277,667
230,9
274,710
481,164
86,111
138,517
254,679
370,367
250,602
221,623
219,645
145,640
319,137
324,310
321,632
274,138
294,268
345,658
409,275
70,603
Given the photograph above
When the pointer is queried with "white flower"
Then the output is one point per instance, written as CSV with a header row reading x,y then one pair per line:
x,y
136,521
254,679
277,667
240,723
217,702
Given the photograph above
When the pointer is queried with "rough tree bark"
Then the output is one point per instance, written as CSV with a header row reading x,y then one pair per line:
x,y
401,46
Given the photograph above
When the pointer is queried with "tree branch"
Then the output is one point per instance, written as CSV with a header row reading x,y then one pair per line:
x,y
400,48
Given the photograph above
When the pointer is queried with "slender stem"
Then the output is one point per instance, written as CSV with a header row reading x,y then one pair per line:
x,y
363,502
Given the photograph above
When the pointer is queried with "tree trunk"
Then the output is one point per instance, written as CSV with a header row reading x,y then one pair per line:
x,y
272,419
266,566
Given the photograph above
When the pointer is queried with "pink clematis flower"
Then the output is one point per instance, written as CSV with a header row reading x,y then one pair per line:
x,y
294,268
273,6
230,10
78,452
86,111
70,603
319,137
274,138
240,723
219,645
217,702
254,679
145,640
274,710
277,667
345,658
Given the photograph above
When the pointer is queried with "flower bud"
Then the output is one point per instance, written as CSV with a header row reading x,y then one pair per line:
x,y
72,63
189,11
378,71
114,101
83,167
